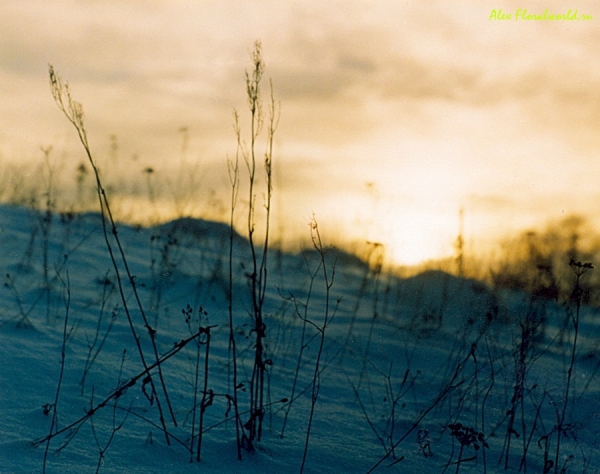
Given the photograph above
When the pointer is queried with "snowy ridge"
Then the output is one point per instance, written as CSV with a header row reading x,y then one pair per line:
x,y
455,377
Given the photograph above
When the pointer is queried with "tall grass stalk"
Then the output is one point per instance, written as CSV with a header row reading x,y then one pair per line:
x,y
529,329
376,271
207,395
579,269
328,314
115,427
95,346
302,312
234,179
66,333
73,111
45,216
259,254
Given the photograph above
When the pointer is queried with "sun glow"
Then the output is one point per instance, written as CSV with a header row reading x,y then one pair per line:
x,y
415,248
415,237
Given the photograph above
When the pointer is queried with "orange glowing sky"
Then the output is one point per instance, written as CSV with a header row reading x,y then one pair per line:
x,y
394,114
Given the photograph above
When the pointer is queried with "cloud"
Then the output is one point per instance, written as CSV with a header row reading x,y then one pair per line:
x,y
327,72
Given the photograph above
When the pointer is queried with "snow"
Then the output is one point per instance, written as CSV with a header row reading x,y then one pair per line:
x,y
403,359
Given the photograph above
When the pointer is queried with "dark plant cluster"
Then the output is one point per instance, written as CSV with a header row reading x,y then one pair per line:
x,y
468,437
540,262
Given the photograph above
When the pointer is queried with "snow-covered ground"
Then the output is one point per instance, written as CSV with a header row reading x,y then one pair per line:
x,y
426,374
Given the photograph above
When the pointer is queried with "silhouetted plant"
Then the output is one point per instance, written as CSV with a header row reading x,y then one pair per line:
x,y
97,343
163,262
66,334
424,443
73,111
391,401
103,447
537,261
466,437
523,355
23,317
579,269
452,383
234,179
328,315
74,426
201,324
259,253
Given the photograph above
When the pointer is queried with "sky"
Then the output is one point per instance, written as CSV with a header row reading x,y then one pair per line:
x,y
394,115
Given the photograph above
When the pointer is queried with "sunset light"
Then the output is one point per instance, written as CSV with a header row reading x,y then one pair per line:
x,y
393,115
